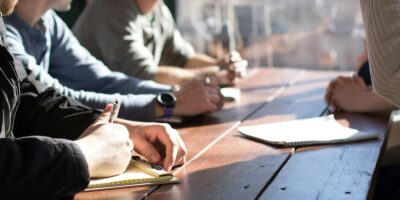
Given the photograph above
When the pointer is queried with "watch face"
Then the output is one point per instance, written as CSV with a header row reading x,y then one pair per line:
x,y
166,99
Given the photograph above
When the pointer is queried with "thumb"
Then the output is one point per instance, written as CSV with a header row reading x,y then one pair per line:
x,y
105,116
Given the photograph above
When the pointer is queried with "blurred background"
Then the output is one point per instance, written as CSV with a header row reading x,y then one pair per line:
x,y
311,34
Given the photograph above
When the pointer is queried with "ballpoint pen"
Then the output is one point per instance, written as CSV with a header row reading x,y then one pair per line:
x,y
114,111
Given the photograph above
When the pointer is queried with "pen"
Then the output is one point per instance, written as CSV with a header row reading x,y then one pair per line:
x,y
114,111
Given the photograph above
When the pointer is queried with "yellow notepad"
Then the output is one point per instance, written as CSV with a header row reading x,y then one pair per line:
x,y
138,173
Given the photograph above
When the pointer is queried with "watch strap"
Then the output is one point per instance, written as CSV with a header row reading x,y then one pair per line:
x,y
168,112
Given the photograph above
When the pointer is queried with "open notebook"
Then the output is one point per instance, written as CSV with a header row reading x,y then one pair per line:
x,y
138,173
320,130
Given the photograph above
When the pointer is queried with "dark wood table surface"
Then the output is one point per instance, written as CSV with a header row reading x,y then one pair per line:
x,y
224,165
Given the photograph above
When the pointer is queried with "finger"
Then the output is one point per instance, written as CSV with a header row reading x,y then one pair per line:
x,y
221,102
148,150
130,145
182,151
232,75
105,115
171,147
214,98
210,107
360,81
329,91
212,90
170,157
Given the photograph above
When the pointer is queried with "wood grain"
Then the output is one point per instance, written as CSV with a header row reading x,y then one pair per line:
x,y
238,168
203,131
344,171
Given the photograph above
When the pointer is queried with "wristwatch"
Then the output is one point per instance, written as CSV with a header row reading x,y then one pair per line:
x,y
167,100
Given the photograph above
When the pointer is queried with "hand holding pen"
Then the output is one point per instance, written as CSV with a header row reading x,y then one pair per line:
x,y
114,111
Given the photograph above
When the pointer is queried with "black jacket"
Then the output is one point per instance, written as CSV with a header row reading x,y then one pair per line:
x,y
33,163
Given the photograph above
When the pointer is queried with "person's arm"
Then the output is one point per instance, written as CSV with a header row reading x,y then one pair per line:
x,y
200,60
381,19
124,48
351,94
75,67
41,167
135,107
45,168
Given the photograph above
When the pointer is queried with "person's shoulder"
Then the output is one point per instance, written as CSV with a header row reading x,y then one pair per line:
x,y
102,11
164,11
14,21
109,7
14,25
51,19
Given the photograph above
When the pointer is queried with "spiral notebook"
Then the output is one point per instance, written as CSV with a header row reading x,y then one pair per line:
x,y
320,130
138,173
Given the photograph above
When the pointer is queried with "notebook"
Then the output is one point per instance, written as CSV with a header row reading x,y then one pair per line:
x,y
231,94
138,173
320,130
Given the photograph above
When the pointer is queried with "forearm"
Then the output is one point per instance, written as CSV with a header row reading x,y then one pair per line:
x,y
173,75
134,107
41,168
372,102
200,60
50,114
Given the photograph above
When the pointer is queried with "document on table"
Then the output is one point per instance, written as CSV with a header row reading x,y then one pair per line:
x,y
231,94
138,173
320,130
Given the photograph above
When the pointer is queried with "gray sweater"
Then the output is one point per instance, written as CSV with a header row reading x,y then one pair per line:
x,y
56,59
128,41
382,25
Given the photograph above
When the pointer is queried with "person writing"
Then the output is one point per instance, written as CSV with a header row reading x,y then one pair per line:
x,y
140,38
47,48
51,145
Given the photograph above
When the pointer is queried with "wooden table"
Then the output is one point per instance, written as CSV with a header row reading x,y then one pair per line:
x,y
224,165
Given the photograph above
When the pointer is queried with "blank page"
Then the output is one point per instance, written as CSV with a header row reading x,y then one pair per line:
x,y
320,130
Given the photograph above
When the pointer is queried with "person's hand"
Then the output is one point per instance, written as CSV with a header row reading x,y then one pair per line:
x,y
198,97
158,143
346,94
232,67
328,95
106,146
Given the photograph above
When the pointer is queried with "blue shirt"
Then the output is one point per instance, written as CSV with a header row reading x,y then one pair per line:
x,y
55,57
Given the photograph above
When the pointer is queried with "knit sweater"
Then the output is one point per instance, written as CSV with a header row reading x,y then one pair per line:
x,y
382,25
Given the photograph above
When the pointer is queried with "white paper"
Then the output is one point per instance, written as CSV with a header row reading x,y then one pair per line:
x,y
231,94
321,130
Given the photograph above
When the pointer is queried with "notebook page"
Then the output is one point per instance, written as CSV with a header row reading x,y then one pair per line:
x,y
307,131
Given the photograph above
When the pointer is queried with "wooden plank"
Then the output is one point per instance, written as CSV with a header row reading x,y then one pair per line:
x,y
238,168
203,131
302,99
343,171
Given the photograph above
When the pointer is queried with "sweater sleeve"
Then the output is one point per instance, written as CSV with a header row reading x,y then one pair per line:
x,y
134,106
382,25
41,168
75,67
124,49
